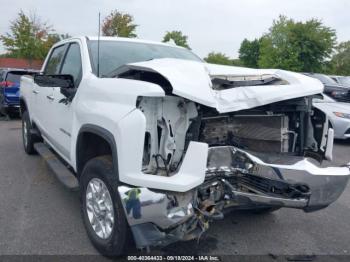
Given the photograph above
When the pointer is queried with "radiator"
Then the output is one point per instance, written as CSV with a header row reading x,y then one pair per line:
x,y
261,133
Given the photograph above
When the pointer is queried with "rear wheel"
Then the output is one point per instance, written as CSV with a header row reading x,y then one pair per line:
x,y
27,137
102,210
13,114
2,108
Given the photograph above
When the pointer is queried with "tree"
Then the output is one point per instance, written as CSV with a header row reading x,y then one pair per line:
x,y
237,62
53,39
177,37
297,46
218,58
340,62
119,24
249,53
29,38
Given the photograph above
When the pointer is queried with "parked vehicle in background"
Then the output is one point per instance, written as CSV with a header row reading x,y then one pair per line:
x,y
338,114
339,92
9,89
342,80
161,143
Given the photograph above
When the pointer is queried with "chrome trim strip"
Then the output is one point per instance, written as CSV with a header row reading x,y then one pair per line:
x,y
272,201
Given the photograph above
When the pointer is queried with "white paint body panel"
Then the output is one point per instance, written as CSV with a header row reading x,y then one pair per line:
x,y
192,80
110,103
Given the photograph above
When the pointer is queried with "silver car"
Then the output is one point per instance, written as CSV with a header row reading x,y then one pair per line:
x,y
338,114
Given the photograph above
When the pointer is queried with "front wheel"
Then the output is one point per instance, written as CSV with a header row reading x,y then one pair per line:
x,y
102,210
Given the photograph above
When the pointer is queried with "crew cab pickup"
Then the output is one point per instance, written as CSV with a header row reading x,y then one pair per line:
x,y
161,143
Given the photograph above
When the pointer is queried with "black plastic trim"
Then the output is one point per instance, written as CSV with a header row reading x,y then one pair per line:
x,y
107,136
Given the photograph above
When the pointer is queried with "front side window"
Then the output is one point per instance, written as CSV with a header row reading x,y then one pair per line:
x,y
54,62
72,63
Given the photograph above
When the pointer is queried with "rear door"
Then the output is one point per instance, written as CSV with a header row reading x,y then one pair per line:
x,y
43,96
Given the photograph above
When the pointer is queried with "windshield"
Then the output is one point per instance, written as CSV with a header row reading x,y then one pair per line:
x,y
325,79
114,54
344,81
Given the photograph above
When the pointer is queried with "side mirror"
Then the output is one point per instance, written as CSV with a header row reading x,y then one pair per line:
x,y
69,93
63,81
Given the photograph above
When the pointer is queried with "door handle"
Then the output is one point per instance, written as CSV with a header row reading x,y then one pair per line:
x,y
50,97
35,92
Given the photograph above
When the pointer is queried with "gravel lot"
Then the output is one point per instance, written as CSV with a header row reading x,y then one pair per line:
x,y
39,216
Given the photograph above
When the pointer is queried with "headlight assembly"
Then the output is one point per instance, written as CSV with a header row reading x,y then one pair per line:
x,y
342,115
339,93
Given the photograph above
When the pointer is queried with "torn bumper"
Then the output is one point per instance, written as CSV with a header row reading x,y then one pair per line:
x,y
158,217
286,181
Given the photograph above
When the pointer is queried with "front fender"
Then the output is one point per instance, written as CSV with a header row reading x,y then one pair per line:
x,y
130,143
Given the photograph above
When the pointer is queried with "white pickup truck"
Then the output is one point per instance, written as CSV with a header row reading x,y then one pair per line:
x,y
160,143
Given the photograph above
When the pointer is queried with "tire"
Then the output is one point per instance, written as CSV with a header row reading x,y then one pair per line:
x,y
27,137
99,170
2,108
13,114
265,210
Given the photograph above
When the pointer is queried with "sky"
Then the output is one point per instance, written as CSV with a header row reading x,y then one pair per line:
x,y
211,25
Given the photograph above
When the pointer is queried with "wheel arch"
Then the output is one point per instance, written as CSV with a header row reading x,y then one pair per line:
x,y
94,141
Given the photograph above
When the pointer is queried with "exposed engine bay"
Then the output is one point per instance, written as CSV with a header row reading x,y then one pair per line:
x,y
285,130
255,148
290,127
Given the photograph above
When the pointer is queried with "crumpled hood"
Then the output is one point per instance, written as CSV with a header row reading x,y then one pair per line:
x,y
192,80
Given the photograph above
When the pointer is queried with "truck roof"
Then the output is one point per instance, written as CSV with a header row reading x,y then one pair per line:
x,y
120,39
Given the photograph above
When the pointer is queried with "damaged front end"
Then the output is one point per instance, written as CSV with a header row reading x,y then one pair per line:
x,y
264,157
237,180
245,143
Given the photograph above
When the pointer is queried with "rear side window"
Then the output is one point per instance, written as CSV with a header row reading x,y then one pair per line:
x,y
72,63
54,62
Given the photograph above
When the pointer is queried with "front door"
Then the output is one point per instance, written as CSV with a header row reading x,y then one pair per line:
x,y
44,95
62,110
